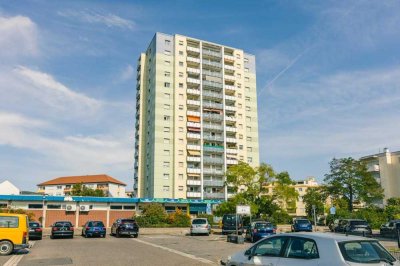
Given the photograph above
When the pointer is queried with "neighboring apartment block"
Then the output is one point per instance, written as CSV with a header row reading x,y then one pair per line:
x,y
62,186
386,169
196,114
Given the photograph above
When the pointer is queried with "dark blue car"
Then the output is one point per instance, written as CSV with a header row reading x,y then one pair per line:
x,y
94,228
259,230
301,225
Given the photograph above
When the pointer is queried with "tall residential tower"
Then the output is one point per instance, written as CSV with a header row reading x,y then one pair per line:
x,y
196,114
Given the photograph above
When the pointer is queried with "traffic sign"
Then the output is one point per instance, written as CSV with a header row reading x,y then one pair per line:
x,y
243,209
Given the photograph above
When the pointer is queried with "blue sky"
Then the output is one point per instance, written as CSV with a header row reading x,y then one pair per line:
x,y
328,77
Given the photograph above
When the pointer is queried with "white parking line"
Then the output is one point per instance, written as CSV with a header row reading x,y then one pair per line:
x,y
15,259
175,251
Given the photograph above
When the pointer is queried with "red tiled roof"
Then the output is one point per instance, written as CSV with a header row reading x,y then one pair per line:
x,y
82,179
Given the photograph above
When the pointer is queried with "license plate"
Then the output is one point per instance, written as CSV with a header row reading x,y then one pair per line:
x,y
31,230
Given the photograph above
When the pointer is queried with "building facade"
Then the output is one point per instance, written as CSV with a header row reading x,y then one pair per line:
x,y
385,167
196,114
62,186
8,188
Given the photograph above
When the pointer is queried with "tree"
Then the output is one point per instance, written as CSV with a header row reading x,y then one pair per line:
x,y
392,208
81,190
314,197
284,191
349,179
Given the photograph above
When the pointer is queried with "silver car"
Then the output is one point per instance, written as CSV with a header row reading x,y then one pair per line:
x,y
200,226
313,249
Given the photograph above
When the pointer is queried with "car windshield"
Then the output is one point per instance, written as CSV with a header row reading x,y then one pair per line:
x,y
229,219
302,221
62,224
358,223
96,224
34,225
127,221
365,252
199,221
262,225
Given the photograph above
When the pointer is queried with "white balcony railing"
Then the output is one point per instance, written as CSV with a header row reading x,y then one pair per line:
x,y
193,136
231,161
193,102
193,159
230,108
193,147
214,183
230,98
229,67
193,194
231,129
193,124
230,87
193,49
231,140
193,170
231,151
230,118
230,77
193,81
229,57
193,91
193,59
193,113
193,182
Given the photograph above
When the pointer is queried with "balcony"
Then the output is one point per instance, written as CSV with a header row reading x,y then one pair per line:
x,y
230,108
212,73
193,60
231,161
193,70
229,58
212,84
211,63
213,117
212,53
211,160
193,194
213,171
231,140
230,88
213,127
193,91
213,95
193,135
213,138
193,102
214,195
213,105
193,147
230,118
215,149
193,170
231,129
229,77
193,81
229,67
193,124
193,159
214,183
231,151
193,182
193,49
193,113
373,168
230,98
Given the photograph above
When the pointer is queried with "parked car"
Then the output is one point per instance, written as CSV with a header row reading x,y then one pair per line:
x,y
62,229
200,226
13,232
127,227
231,222
297,249
354,227
389,229
94,228
258,230
333,226
35,230
301,225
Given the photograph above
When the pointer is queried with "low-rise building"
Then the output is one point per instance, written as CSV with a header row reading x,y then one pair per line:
x,y
8,188
62,186
385,167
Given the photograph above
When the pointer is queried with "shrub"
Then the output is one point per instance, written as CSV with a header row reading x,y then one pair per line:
x,y
152,214
31,216
281,217
179,219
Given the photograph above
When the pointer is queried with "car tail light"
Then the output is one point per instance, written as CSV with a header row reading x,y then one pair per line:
x,y
55,228
104,228
38,229
71,228
87,228
24,234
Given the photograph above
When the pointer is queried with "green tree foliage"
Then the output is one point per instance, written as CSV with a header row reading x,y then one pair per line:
x,y
349,179
392,208
314,196
31,215
154,215
284,191
81,190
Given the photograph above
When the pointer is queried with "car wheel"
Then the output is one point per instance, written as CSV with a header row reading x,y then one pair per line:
x,y
51,237
40,238
6,247
72,236
135,236
103,236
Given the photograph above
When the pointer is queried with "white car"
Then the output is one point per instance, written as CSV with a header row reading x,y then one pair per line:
x,y
200,226
311,249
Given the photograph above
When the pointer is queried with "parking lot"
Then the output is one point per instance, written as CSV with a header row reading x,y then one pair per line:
x,y
145,250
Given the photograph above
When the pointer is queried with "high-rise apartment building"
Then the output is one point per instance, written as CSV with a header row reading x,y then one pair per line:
x,y
196,114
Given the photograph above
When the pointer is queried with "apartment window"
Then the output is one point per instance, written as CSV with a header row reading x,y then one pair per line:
x,y
247,89
180,164
249,149
180,176
165,188
238,66
247,99
167,52
241,157
248,108
246,60
239,75
237,56
180,52
239,95
166,164
35,206
180,118
116,207
166,140
59,187
167,74
180,107
180,141
167,63
240,136
180,85
167,84
167,95
180,152
181,74
247,79
240,147
180,188
166,129
181,63
167,42
167,106
240,116
246,69
248,139
248,119
240,126
167,117
166,176
181,96
180,129
166,152
240,105
54,206
300,189
248,129
249,159
180,42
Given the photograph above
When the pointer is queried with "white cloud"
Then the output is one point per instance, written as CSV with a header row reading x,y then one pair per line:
x,y
110,20
127,73
19,37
